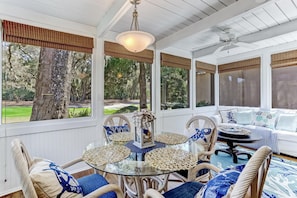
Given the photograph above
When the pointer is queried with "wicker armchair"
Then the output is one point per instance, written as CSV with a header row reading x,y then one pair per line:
x,y
131,185
201,122
24,163
249,184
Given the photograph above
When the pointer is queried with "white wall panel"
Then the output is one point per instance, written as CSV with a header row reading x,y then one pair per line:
x,y
59,146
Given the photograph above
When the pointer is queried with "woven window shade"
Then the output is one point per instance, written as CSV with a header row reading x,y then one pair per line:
x,y
175,61
241,65
26,34
117,50
205,67
284,59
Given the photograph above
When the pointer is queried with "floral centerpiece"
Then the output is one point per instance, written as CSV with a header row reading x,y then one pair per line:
x,y
144,128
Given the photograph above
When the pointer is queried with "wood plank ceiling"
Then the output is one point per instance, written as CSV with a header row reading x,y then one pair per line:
x,y
189,25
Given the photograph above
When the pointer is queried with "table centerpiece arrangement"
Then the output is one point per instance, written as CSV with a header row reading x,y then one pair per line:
x,y
144,128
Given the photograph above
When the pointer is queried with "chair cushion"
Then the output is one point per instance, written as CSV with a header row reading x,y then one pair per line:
x,y
92,182
50,180
219,185
186,190
116,129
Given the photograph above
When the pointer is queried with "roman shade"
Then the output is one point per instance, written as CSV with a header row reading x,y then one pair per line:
x,y
284,59
240,65
206,67
27,34
117,50
175,61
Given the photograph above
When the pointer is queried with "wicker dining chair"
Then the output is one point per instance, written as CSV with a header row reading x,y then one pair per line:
x,y
118,123
93,185
114,124
207,139
249,183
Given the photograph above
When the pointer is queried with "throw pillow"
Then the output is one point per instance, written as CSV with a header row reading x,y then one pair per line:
x,y
265,119
287,122
221,184
202,136
228,116
116,129
244,117
50,180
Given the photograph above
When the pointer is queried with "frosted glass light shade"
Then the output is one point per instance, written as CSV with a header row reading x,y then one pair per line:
x,y
135,41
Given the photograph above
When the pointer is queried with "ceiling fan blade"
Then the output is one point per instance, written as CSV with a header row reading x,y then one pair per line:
x,y
246,45
218,49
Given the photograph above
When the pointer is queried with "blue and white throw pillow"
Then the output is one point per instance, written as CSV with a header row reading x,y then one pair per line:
x,y
116,129
50,180
219,186
202,134
228,116
265,119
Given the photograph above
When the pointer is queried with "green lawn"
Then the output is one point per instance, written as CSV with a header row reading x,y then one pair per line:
x,y
22,113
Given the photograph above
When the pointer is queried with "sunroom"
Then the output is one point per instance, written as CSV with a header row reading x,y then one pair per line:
x,y
206,56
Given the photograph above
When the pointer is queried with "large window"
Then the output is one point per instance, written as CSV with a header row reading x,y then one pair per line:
x,y
44,74
240,83
284,80
204,84
127,80
174,82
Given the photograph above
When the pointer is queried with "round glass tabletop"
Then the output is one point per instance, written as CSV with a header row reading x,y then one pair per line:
x,y
100,157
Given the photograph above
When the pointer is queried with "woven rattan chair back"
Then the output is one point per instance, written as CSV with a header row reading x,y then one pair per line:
x,y
200,122
23,162
115,120
251,180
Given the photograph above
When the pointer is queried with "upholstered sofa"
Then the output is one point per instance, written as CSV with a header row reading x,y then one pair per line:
x,y
278,128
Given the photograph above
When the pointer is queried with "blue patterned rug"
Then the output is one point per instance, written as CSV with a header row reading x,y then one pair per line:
x,y
281,180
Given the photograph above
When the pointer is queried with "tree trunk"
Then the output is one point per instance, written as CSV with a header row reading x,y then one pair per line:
x,y
142,86
52,85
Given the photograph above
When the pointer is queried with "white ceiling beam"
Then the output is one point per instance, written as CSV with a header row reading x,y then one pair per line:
x,y
231,11
274,31
118,9
268,33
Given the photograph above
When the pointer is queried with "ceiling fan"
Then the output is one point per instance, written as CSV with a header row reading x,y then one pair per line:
x,y
228,40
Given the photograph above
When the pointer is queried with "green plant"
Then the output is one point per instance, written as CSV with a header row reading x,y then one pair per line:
x,y
202,103
79,112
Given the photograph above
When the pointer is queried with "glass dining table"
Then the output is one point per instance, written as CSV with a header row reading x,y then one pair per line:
x,y
141,168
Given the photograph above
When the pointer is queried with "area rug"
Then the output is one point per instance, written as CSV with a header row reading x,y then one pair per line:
x,y
281,180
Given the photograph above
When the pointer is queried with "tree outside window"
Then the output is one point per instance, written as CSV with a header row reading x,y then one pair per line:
x,y
46,74
42,83
127,85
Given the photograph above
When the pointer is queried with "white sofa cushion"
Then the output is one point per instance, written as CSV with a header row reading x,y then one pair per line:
x,y
244,117
287,122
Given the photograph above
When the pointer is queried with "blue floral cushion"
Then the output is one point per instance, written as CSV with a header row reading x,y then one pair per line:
x,y
228,116
218,186
265,119
116,129
50,180
202,134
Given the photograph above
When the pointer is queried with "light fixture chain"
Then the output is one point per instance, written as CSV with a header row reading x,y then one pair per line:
x,y
135,24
